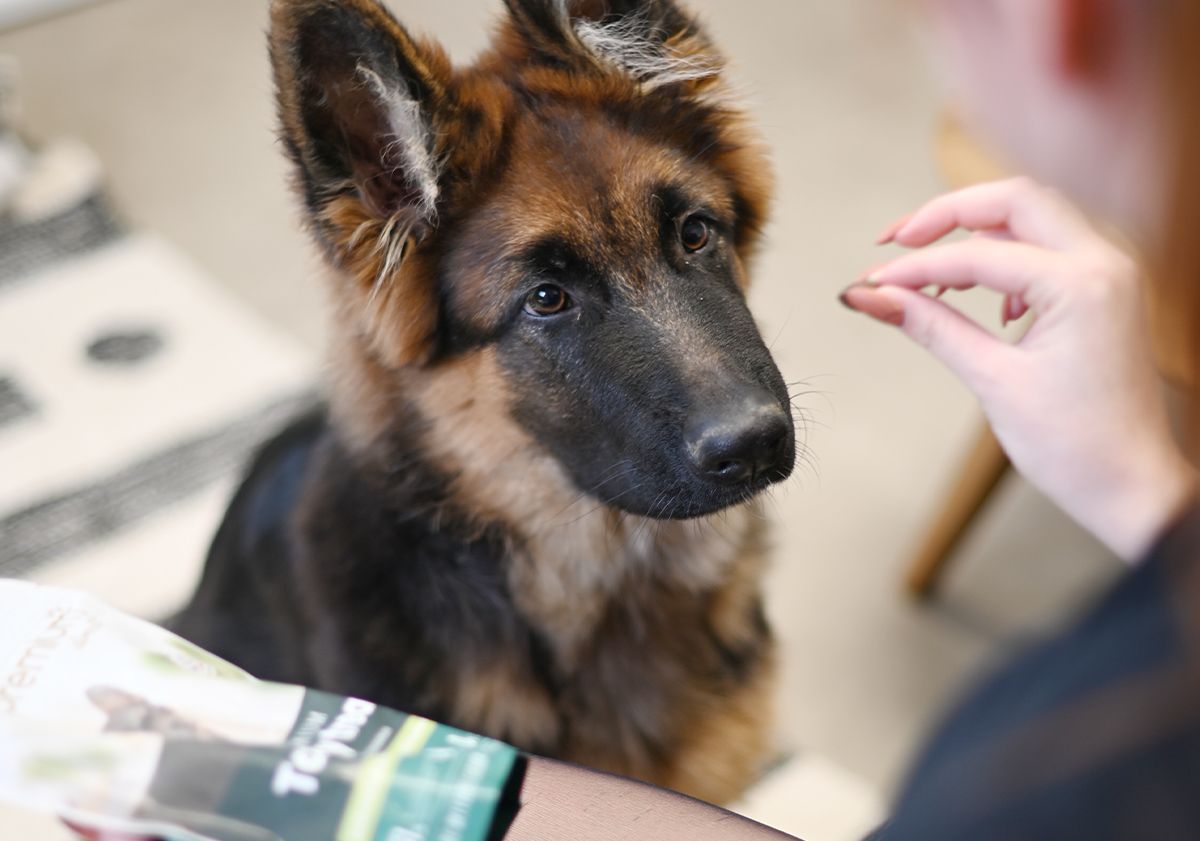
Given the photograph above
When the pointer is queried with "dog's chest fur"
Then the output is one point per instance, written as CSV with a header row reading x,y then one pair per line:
x,y
590,635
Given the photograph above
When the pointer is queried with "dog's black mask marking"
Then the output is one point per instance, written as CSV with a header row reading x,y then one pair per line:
x,y
617,399
652,387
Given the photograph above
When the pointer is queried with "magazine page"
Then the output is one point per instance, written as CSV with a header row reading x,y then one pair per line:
x,y
114,723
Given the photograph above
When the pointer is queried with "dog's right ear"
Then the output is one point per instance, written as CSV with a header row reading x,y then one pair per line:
x,y
360,104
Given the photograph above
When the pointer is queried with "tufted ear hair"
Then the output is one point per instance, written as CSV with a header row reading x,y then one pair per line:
x,y
653,41
361,104
359,100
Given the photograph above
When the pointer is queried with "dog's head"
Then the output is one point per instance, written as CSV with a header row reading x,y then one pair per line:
x,y
574,213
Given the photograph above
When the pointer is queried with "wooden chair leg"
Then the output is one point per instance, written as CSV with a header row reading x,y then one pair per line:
x,y
982,471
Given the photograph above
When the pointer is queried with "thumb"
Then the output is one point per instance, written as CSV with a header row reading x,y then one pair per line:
x,y
959,343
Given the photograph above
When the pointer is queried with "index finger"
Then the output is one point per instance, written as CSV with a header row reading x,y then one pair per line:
x,y
1016,269
1023,208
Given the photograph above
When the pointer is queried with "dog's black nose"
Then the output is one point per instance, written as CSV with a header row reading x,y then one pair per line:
x,y
747,439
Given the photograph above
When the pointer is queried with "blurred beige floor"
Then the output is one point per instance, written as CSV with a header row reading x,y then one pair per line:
x,y
174,97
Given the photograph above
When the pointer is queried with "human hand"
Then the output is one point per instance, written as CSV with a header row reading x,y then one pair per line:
x,y
1076,403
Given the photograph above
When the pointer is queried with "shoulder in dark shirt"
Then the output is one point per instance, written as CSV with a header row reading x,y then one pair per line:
x,y
1093,735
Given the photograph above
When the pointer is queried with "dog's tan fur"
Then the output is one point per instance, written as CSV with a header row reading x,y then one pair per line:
x,y
584,572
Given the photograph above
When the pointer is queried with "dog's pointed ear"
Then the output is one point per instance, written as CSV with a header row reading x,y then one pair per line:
x,y
360,104
359,100
655,42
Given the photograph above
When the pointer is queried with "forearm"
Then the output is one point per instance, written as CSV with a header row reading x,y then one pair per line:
x,y
564,801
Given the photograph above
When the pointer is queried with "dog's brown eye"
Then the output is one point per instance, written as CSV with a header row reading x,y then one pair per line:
x,y
547,299
694,233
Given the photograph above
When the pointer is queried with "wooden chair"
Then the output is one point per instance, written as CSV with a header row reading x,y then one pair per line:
x,y
963,161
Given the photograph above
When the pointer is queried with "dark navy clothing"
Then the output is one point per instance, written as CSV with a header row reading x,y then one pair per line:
x,y
1092,735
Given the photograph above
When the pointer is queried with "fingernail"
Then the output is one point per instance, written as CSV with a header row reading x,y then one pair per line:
x,y
866,299
1008,312
893,230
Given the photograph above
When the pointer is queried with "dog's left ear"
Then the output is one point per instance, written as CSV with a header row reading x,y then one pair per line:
x,y
362,108
655,42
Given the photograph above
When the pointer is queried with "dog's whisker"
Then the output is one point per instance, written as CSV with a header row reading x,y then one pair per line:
x,y
782,328
618,471
604,503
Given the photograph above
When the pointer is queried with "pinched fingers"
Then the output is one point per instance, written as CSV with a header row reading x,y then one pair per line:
x,y
971,352
1024,272
1029,212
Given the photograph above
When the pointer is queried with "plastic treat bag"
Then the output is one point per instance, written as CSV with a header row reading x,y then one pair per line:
x,y
116,724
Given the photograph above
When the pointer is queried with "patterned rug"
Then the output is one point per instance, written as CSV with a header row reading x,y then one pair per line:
x,y
132,390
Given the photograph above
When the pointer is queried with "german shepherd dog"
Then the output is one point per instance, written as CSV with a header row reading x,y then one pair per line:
x,y
526,508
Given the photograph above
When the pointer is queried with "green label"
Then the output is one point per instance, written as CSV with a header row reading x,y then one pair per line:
x,y
352,771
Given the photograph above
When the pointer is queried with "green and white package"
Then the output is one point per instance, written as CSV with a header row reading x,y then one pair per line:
x,y
116,724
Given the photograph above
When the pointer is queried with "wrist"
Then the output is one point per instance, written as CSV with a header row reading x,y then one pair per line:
x,y
1155,493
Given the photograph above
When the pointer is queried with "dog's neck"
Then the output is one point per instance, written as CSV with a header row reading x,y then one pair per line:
x,y
569,555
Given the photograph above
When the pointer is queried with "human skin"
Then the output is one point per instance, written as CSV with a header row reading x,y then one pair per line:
x,y
1067,88
561,801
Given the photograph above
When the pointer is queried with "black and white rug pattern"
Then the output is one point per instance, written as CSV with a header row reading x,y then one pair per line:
x,y
132,391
